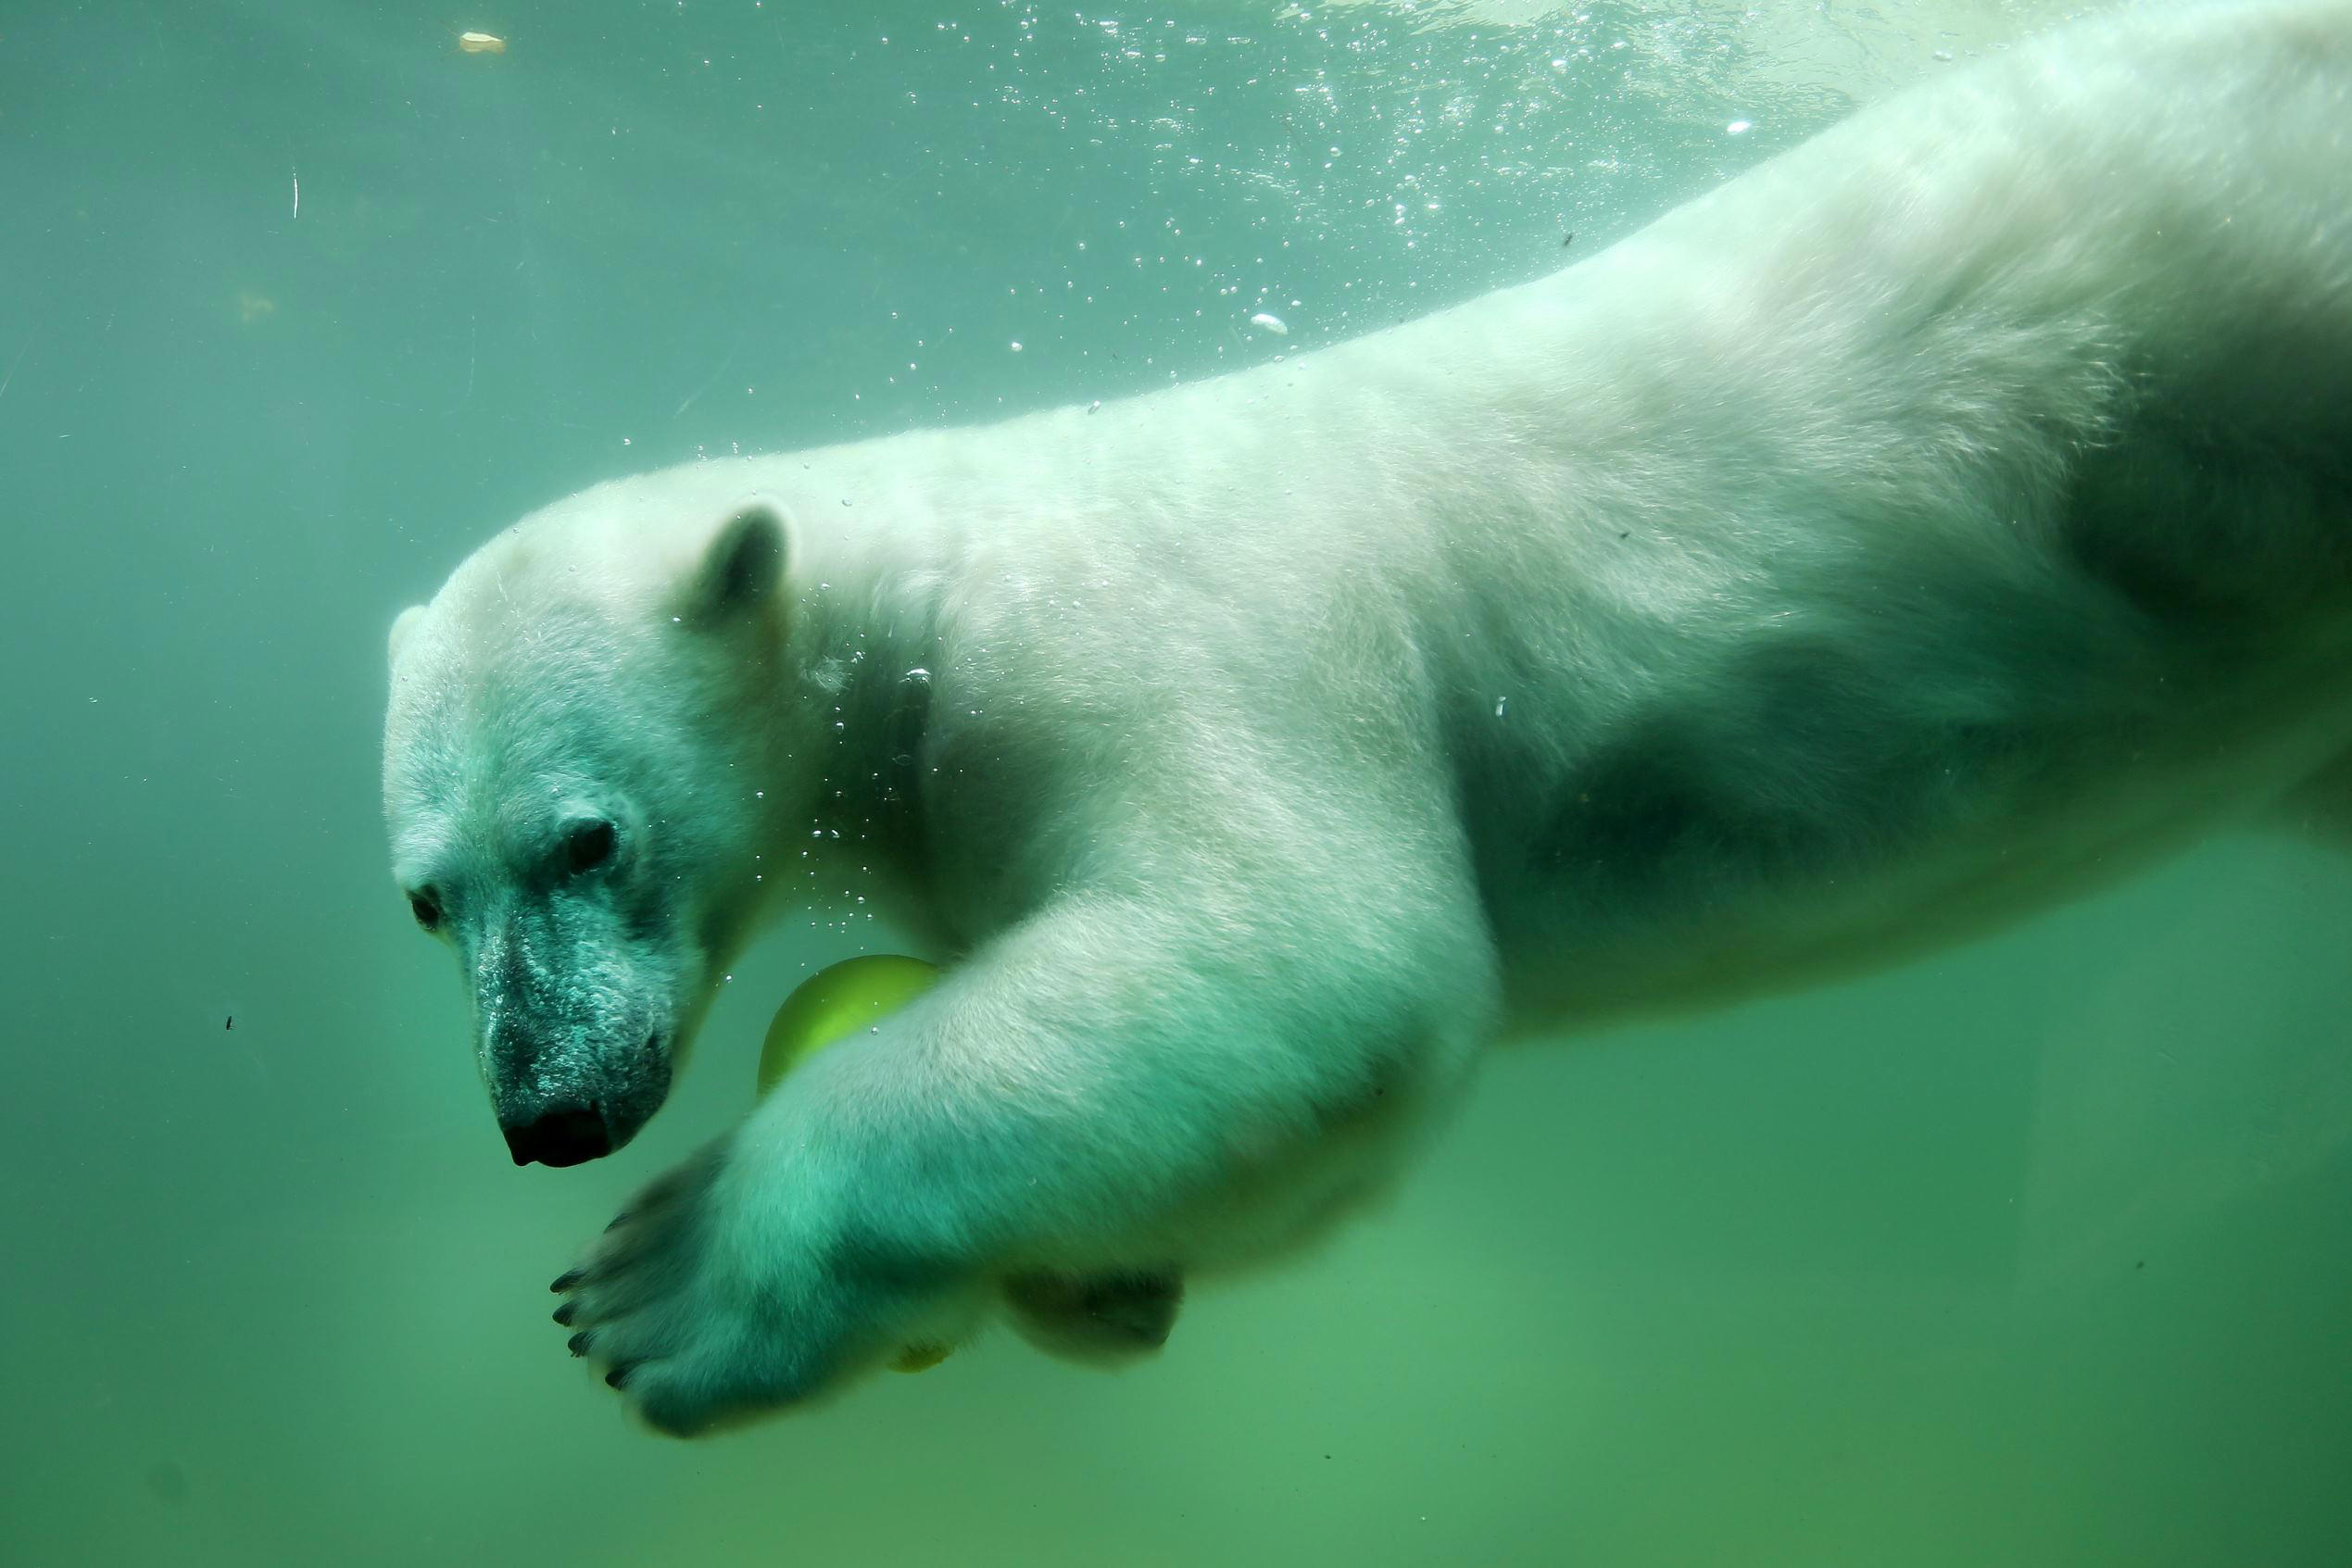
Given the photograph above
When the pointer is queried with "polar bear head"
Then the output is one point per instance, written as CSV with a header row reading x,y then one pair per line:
x,y
579,787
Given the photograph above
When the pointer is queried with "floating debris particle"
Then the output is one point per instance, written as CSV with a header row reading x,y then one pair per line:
x,y
482,44
1271,322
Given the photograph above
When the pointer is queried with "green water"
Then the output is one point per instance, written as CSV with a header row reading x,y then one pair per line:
x,y
2033,1254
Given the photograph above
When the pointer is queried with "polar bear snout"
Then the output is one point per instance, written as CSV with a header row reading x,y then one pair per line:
x,y
565,1101
567,1116
574,1030
564,1136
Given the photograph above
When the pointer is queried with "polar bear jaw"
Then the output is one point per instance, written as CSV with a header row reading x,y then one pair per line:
x,y
562,833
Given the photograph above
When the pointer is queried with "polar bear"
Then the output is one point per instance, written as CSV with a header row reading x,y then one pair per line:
x,y
1939,519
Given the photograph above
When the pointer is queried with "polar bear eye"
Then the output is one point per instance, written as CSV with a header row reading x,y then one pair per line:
x,y
588,845
426,906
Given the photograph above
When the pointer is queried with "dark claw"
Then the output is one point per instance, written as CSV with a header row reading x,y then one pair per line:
x,y
563,1314
618,1376
566,1280
578,1342
618,1221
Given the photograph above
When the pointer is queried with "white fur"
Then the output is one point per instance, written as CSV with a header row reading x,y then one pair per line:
x,y
1939,518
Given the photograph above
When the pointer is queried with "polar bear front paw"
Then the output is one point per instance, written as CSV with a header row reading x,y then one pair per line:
x,y
705,1309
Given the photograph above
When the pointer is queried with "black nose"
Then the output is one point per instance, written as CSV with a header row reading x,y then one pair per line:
x,y
560,1137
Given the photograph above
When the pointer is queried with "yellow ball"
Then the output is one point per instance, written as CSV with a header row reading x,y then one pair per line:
x,y
836,1003
829,1007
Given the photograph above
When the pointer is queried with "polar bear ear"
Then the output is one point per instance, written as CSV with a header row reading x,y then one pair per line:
x,y
740,568
402,627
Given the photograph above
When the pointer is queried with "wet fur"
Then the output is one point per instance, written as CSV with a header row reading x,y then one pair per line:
x,y
1937,522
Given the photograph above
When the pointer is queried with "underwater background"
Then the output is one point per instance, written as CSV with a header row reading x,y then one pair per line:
x,y
2035,1253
